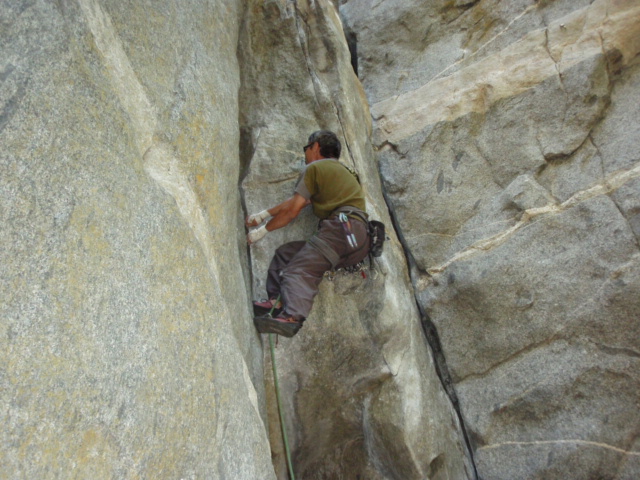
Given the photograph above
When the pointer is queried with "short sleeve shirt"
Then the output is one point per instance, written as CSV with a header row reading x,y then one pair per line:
x,y
329,185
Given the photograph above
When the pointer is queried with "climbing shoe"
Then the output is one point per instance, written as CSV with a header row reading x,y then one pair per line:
x,y
287,327
264,308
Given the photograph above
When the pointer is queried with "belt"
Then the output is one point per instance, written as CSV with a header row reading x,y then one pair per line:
x,y
351,212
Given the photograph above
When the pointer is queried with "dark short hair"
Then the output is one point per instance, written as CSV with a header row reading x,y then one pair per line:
x,y
329,144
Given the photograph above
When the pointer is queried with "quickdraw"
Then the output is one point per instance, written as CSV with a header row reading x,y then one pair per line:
x,y
359,269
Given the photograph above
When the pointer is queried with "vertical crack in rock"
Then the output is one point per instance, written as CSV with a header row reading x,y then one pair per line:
x,y
442,369
352,43
600,156
303,41
553,59
344,134
247,150
431,334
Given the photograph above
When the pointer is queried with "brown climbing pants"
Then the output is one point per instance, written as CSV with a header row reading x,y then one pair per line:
x,y
297,268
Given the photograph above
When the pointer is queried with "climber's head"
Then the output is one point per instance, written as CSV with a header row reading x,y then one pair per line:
x,y
322,144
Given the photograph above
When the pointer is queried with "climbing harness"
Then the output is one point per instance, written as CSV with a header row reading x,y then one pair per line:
x,y
280,409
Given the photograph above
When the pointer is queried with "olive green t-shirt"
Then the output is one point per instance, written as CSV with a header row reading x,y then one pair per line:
x,y
329,185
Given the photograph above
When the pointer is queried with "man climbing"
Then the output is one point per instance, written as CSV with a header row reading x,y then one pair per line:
x,y
341,240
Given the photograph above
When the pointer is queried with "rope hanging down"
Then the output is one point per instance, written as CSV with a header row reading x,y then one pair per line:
x,y
280,410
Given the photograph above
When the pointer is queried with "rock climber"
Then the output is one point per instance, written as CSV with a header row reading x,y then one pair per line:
x,y
342,239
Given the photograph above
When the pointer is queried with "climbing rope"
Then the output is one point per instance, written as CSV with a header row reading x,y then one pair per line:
x,y
280,410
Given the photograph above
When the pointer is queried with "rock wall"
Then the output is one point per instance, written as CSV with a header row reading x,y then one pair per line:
x,y
507,135
126,343
496,338
361,395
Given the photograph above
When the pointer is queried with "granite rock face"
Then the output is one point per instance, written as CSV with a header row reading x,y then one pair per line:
x,y
127,345
507,136
496,338
361,395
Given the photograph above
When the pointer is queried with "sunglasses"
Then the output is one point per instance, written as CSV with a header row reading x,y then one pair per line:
x,y
307,147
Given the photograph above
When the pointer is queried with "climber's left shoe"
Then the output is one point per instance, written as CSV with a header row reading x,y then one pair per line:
x,y
273,307
280,325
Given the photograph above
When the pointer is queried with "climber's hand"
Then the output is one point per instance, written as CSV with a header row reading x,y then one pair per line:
x,y
257,234
257,218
